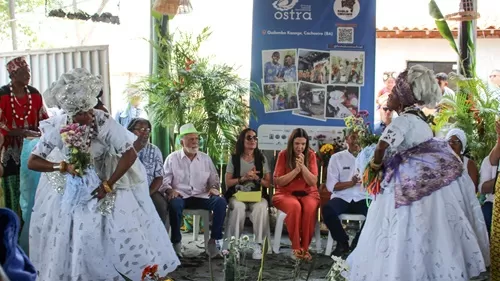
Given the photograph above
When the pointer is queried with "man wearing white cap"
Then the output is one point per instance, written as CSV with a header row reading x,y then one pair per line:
x,y
191,182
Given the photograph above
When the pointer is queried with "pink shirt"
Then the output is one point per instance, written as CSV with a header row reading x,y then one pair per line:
x,y
189,178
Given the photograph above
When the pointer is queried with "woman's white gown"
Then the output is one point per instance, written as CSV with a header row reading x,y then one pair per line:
x,y
71,239
440,237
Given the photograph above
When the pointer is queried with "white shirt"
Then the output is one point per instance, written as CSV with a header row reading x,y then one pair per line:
x,y
189,178
487,172
341,168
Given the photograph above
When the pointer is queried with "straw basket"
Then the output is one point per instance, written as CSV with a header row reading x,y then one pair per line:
x,y
466,12
166,7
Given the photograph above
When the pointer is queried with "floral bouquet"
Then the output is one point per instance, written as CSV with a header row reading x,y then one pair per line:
x,y
339,270
358,124
325,152
76,138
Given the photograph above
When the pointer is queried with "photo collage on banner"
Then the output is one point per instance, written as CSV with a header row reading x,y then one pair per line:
x,y
313,84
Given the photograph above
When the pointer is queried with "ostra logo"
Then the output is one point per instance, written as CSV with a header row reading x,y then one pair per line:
x,y
286,10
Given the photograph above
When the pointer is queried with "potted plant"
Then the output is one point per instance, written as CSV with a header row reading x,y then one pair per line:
x,y
189,88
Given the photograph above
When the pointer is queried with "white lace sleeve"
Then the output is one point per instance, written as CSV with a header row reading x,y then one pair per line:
x,y
51,137
114,134
395,133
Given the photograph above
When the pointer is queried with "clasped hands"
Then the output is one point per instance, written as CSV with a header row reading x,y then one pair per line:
x,y
299,163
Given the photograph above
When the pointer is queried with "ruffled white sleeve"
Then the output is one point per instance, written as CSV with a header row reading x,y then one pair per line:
x,y
51,136
114,134
395,133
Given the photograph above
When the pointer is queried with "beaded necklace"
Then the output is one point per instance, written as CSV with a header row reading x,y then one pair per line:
x,y
14,99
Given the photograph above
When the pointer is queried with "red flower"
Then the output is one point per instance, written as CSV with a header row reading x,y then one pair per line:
x,y
189,62
149,271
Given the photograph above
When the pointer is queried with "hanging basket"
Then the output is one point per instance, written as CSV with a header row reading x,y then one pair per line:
x,y
466,12
166,7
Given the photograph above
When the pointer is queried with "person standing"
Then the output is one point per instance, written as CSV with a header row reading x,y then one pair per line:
x,y
21,110
97,223
425,222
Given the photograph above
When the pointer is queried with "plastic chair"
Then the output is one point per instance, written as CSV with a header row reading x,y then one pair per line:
x,y
278,231
343,217
197,214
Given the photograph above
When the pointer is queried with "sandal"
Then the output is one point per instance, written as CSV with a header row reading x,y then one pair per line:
x,y
306,256
297,254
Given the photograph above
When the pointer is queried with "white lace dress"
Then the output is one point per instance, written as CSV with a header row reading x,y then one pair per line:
x,y
71,239
440,236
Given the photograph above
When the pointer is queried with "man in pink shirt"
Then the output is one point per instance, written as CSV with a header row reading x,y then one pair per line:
x,y
191,182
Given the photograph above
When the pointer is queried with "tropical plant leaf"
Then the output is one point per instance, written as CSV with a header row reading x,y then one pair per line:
x,y
442,25
123,276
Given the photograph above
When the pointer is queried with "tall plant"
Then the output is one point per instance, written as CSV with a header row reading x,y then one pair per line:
x,y
193,89
474,108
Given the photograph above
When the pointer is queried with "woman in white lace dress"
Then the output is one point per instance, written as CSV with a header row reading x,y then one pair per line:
x,y
425,223
73,235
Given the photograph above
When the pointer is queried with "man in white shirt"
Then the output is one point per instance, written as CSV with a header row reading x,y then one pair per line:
x,y
488,174
191,182
343,181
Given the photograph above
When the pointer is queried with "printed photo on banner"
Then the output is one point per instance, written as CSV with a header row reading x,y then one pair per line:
x,y
281,97
314,66
279,65
311,101
348,67
342,101
346,9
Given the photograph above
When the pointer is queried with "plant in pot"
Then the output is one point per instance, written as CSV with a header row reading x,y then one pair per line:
x,y
189,88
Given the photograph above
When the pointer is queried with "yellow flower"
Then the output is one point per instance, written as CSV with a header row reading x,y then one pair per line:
x,y
74,151
64,136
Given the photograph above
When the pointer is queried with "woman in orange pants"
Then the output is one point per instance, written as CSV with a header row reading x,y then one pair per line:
x,y
295,176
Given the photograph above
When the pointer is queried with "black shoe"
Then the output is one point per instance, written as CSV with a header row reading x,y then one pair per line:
x,y
341,249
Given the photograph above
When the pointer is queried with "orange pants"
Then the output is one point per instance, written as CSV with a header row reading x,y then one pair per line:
x,y
301,216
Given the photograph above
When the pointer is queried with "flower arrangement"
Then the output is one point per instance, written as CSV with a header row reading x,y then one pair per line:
x,y
358,124
338,271
325,152
77,138
234,257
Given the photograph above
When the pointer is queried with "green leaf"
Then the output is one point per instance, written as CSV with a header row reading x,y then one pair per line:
x,y
442,25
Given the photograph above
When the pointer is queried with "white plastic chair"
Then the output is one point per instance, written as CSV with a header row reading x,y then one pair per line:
x,y
227,233
278,231
197,214
343,217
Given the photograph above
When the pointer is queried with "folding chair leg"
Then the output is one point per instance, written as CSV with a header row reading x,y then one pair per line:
x,y
196,227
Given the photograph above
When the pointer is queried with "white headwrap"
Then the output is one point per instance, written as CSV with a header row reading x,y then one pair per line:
x,y
424,85
75,91
460,134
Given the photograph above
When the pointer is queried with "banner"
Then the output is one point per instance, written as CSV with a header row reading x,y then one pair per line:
x,y
314,59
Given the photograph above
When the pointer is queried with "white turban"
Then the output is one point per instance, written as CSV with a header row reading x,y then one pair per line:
x,y
75,91
460,134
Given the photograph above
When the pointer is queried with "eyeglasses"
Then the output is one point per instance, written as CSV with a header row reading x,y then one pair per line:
x,y
493,76
386,109
143,130
250,138
452,142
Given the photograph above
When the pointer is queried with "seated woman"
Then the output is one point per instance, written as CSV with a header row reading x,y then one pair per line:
x,y
458,142
295,176
248,168
152,159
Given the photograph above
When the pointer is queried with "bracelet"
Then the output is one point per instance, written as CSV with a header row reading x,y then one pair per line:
x,y
374,166
106,186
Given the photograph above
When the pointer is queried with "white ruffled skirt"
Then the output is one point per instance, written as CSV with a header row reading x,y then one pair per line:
x,y
70,239
440,237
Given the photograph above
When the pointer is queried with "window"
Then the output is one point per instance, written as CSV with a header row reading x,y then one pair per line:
x,y
437,67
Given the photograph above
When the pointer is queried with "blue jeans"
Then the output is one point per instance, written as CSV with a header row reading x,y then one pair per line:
x,y
215,204
487,213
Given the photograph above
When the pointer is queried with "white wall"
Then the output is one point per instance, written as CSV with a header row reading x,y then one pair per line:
x,y
392,55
